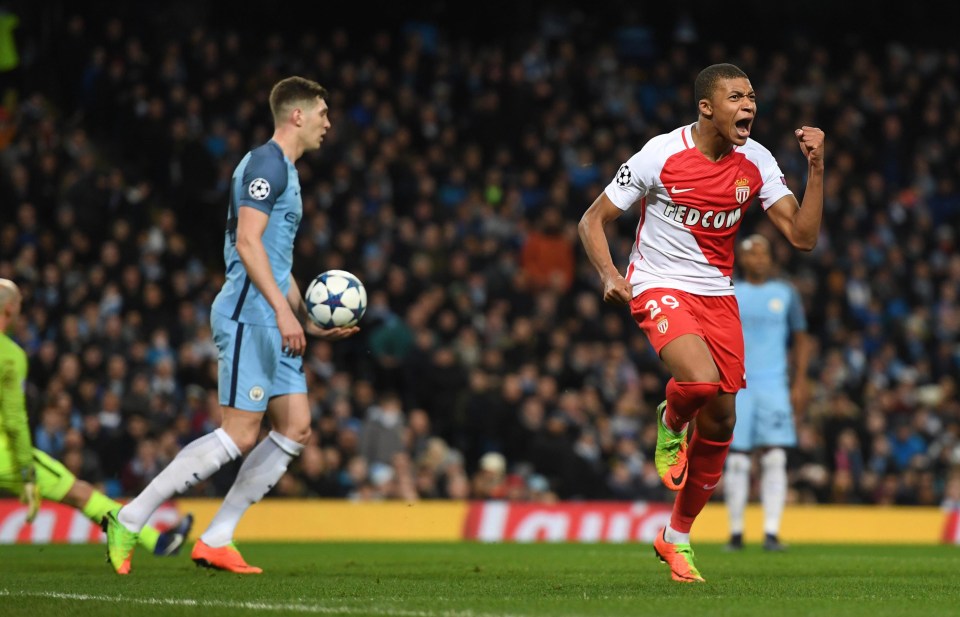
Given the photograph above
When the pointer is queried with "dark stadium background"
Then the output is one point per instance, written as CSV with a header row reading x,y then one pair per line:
x,y
592,447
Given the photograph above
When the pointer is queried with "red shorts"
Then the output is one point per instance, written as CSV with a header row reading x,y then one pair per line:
x,y
665,314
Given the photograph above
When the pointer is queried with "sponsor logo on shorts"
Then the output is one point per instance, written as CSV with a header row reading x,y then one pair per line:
x,y
256,394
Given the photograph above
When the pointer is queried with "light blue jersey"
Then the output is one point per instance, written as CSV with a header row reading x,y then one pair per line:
x,y
252,366
770,313
266,180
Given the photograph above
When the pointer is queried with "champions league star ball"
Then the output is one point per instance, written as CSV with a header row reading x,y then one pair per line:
x,y
336,298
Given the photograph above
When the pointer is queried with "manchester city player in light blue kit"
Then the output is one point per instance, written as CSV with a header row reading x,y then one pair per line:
x,y
257,326
773,327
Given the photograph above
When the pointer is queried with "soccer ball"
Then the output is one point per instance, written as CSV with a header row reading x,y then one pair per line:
x,y
335,298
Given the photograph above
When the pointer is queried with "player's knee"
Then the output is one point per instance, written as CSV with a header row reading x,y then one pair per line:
x,y
298,433
725,423
694,394
708,374
244,443
717,422
701,372
303,436
774,458
240,429
717,417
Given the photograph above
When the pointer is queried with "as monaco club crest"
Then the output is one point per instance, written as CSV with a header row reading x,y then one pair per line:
x,y
742,192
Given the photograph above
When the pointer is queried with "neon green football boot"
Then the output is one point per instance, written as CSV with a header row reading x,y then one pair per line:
x,y
120,542
670,456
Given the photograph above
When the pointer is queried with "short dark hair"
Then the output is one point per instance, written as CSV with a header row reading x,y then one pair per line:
x,y
293,90
707,80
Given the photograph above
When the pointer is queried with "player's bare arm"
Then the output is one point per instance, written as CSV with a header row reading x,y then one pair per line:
x,y
251,223
800,224
616,290
295,299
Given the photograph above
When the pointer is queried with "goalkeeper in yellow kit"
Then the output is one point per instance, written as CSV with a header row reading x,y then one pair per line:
x,y
31,474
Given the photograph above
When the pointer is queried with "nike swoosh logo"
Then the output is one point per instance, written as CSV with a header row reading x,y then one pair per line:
x,y
677,481
676,190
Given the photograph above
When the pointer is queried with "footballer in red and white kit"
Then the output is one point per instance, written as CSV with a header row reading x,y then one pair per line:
x,y
691,187
691,209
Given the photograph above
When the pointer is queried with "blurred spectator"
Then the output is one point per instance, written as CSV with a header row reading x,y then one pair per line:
x,y
490,480
547,257
905,444
382,433
50,435
142,468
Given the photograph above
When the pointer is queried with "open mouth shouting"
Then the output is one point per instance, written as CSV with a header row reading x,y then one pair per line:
x,y
743,127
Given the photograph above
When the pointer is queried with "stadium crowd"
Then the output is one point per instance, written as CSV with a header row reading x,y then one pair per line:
x,y
451,184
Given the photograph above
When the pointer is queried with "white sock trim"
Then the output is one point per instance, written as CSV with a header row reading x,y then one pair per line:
x,y
291,447
673,536
228,443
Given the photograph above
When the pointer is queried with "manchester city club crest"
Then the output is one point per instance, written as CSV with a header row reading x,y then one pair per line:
x,y
256,394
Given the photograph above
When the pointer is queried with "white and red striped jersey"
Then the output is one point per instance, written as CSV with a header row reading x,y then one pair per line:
x,y
690,210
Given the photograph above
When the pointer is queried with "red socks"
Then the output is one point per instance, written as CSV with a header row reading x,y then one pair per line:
x,y
705,467
684,400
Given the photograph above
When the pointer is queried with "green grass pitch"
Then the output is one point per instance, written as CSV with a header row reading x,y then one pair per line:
x,y
480,580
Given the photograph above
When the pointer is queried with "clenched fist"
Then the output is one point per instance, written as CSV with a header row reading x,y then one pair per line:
x,y
811,144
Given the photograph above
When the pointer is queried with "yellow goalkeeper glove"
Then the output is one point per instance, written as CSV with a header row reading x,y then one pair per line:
x,y
30,494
